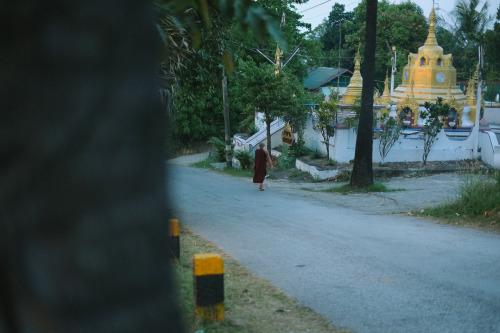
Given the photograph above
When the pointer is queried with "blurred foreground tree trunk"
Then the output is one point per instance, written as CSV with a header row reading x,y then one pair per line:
x,y
82,183
362,172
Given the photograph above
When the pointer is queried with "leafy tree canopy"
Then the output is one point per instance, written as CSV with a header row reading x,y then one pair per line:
x,y
401,25
492,50
260,90
245,43
464,35
197,112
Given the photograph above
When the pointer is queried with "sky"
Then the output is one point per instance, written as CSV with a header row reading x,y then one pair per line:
x,y
314,11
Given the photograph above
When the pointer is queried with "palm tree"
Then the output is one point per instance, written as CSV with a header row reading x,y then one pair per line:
x,y
471,21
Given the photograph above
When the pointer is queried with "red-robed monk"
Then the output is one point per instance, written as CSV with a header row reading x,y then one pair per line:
x,y
259,169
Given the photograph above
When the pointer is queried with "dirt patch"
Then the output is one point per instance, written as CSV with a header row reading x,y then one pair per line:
x,y
462,165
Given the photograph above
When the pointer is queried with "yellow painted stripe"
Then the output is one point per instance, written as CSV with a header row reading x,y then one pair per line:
x,y
210,313
208,263
173,227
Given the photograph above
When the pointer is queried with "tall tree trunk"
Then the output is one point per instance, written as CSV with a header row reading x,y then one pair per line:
x,y
328,148
362,172
82,180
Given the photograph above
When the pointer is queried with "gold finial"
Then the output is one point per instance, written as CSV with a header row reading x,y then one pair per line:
x,y
357,67
476,74
278,56
471,94
386,97
431,38
357,60
470,88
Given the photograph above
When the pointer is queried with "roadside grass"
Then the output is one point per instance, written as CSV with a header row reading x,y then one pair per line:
x,y
346,189
296,173
236,172
251,303
478,204
206,164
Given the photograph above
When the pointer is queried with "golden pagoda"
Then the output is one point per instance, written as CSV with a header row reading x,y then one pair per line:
x,y
471,94
429,74
356,85
385,100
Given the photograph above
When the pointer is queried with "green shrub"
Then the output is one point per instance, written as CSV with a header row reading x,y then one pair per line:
x,y
346,189
332,162
220,146
433,116
316,154
245,158
388,136
478,195
299,148
286,159
344,176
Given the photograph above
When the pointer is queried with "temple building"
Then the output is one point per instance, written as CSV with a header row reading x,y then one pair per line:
x,y
430,74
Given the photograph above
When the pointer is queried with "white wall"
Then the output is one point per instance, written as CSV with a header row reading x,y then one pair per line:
x,y
490,148
407,149
492,115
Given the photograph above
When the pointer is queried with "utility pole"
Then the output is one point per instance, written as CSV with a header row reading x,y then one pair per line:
x,y
393,68
392,51
475,130
227,124
338,67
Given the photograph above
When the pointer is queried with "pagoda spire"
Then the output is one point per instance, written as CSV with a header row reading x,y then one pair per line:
x,y
356,77
431,38
386,98
355,86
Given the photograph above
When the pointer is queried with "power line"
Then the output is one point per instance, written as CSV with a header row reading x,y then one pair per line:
x,y
305,10
310,18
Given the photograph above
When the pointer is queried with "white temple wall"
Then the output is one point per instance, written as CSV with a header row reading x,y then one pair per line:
x,y
313,138
490,148
491,115
409,149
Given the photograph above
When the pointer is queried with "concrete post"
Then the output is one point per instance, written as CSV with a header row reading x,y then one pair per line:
x,y
208,287
174,245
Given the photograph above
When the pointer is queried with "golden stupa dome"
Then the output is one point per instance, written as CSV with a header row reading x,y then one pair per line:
x,y
429,74
355,85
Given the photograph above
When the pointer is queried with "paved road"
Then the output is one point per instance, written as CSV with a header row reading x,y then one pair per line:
x,y
361,269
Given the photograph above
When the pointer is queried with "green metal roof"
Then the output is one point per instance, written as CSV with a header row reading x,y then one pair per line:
x,y
319,77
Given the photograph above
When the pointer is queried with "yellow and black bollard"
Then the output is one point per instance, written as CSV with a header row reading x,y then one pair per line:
x,y
209,287
174,242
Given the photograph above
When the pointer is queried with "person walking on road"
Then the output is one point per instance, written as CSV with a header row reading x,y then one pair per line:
x,y
259,170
